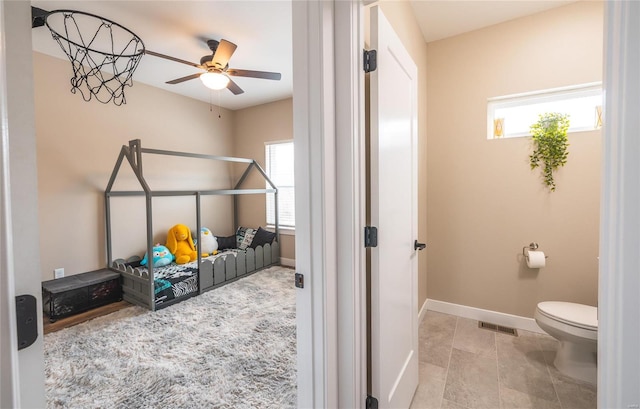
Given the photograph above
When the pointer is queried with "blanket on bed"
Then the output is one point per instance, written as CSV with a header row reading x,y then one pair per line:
x,y
175,281
178,280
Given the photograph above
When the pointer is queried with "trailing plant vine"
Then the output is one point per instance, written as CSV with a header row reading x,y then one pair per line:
x,y
550,142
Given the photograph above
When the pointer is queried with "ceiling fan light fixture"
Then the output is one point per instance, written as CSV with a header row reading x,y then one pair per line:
x,y
214,80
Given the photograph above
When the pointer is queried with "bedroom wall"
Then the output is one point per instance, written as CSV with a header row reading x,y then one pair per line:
x,y
78,143
484,203
253,127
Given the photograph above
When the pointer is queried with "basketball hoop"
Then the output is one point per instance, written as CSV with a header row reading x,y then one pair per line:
x,y
104,61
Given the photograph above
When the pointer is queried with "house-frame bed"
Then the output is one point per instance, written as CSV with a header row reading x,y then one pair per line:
x,y
139,285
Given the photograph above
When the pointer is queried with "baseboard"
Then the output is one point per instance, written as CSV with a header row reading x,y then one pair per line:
x,y
423,311
289,262
494,317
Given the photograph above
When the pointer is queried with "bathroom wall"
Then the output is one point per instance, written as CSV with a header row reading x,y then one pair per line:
x,y
253,127
484,203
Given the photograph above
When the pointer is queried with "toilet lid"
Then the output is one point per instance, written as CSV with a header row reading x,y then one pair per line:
x,y
578,315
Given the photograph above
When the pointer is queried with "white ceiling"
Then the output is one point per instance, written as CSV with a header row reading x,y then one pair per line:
x,y
440,19
262,31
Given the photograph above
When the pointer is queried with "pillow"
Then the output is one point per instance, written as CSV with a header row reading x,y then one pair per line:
x,y
262,237
228,242
244,237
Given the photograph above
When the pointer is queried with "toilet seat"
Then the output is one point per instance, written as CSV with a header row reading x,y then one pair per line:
x,y
575,315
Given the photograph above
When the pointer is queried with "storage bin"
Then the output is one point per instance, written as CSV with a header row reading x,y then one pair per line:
x,y
74,294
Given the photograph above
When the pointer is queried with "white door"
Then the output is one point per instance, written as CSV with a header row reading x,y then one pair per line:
x,y
9,391
394,262
21,372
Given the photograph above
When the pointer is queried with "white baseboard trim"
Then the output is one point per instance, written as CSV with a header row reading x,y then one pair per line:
x,y
289,262
423,311
494,317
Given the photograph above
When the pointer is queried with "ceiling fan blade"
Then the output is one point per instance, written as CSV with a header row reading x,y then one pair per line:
x,y
255,74
223,54
183,79
233,87
170,58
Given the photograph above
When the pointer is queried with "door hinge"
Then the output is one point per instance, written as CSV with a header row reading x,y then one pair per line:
x,y
370,60
299,280
371,403
26,320
370,236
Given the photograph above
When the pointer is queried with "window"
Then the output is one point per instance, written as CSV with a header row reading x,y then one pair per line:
x,y
279,168
512,115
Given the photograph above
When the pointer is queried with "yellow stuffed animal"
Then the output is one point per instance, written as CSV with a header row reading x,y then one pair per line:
x,y
180,244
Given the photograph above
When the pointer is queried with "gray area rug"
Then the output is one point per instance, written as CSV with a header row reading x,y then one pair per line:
x,y
232,347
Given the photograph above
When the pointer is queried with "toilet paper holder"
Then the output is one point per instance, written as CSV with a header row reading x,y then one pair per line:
x,y
531,246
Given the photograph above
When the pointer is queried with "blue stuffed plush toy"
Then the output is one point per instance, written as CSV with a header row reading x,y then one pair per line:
x,y
161,256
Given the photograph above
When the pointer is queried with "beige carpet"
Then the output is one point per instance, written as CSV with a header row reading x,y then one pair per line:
x,y
233,347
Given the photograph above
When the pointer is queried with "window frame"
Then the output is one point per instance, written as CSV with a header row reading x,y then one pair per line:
x,y
536,97
283,229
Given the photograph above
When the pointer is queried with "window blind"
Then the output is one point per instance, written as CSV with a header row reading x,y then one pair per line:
x,y
279,168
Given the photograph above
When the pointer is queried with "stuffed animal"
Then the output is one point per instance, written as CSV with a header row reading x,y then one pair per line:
x,y
180,244
161,256
207,243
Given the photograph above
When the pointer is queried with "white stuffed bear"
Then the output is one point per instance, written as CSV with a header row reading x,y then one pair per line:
x,y
207,243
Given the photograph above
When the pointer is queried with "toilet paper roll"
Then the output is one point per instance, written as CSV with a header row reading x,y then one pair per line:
x,y
535,259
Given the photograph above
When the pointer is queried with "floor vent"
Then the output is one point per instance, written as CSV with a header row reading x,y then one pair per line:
x,y
498,328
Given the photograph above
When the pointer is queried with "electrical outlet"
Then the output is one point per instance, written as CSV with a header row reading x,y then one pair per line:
x,y
58,273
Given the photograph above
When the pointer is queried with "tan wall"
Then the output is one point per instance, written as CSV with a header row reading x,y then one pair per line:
x,y
253,127
77,146
401,16
484,202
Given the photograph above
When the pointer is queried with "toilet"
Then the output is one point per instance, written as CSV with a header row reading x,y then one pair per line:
x,y
576,327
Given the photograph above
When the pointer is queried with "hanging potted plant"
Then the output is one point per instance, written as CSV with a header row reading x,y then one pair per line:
x,y
550,143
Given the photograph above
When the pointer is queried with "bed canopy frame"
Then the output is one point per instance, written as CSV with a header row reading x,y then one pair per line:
x,y
133,154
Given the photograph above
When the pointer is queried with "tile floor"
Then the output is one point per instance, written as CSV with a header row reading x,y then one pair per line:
x,y
465,367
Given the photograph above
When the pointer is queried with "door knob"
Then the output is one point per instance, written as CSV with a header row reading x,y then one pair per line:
x,y
419,246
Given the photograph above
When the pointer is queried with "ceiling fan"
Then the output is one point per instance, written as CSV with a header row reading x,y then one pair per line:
x,y
216,66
